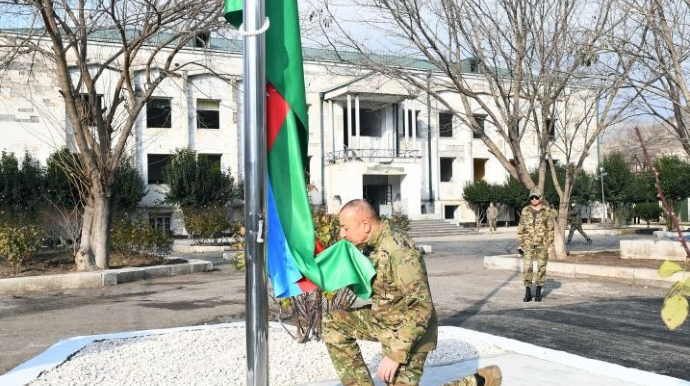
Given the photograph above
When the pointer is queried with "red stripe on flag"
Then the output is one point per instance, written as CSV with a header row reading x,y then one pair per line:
x,y
276,111
306,285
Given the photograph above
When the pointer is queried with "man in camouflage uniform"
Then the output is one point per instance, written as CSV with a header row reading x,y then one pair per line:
x,y
401,315
575,219
492,216
535,235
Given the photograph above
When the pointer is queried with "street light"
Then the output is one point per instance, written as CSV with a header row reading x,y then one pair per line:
x,y
602,173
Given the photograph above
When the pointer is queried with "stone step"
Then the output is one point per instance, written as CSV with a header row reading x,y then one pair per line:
x,y
421,228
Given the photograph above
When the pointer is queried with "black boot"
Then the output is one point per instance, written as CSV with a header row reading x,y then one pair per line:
x,y
537,296
589,241
528,294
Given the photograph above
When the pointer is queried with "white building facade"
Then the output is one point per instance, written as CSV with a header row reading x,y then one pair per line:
x,y
395,149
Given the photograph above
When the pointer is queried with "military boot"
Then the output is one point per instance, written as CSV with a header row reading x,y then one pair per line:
x,y
537,296
589,241
528,294
491,375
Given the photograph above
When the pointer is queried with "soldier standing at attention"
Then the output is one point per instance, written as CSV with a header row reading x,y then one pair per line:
x,y
575,219
401,315
492,216
535,235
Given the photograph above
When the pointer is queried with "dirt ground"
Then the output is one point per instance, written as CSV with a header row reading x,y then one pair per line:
x,y
611,259
59,262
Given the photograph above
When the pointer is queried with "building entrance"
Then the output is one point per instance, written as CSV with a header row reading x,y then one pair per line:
x,y
380,197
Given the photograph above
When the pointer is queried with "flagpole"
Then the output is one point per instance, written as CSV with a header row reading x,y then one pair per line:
x,y
255,192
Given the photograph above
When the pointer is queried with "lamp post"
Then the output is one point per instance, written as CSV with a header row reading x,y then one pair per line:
x,y
602,173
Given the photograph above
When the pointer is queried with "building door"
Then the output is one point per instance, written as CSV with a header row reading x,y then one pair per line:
x,y
380,197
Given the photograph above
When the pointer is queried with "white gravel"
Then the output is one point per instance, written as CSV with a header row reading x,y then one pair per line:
x,y
217,356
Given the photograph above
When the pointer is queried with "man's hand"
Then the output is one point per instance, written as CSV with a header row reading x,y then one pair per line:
x,y
387,369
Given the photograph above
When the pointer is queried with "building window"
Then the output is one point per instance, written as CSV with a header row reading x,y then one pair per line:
x,y
213,160
307,171
156,163
551,127
86,108
207,114
159,113
480,118
202,40
447,169
161,222
449,212
445,124
369,122
474,65
480,168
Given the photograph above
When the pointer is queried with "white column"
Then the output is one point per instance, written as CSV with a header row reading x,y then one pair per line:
x,y
414,124
349,121
406,123
332,120
357,126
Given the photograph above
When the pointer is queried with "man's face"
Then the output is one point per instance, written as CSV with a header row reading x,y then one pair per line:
x,y
535,200
354,228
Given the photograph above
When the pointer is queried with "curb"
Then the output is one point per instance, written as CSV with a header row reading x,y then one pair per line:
x,y
639,276
79,280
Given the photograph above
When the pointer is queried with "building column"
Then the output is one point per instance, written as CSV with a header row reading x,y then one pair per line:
x,y
357,125
406,123
414,124
349,122
332,120
188,106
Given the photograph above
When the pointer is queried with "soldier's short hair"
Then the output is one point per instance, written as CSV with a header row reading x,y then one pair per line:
x,y
362,208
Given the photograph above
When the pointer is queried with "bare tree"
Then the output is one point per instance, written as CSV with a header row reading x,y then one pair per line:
x,y
107,59
662,49
658,138
540,72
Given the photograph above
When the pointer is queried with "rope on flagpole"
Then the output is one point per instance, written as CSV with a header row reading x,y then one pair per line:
x,y
241,31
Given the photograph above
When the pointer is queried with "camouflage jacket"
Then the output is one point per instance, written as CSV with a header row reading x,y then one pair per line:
x,y
575,217
535,231
401,298
492,213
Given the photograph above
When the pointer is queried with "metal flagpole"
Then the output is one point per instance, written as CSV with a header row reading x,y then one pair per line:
x,y
254,23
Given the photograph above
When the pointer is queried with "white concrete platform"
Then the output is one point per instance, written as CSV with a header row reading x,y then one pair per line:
x,y
523,364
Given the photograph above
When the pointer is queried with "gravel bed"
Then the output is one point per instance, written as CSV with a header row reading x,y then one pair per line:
x,y
217,356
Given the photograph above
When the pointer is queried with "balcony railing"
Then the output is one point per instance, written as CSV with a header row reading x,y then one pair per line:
x,y
369,154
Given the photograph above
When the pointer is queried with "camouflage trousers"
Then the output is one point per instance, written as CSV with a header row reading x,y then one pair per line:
x,y
541,255
492,224
578,227
342,328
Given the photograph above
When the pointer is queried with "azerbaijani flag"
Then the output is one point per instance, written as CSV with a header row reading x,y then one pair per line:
x,y
291,239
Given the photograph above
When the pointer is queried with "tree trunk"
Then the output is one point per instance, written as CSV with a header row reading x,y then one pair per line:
x,y
84,258
559,249
99,231
93,248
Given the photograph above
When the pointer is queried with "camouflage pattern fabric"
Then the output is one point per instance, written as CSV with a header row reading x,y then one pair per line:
x,y
575,215
541,255
492,216
576,223
344,327
535,231
401,315
535,235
